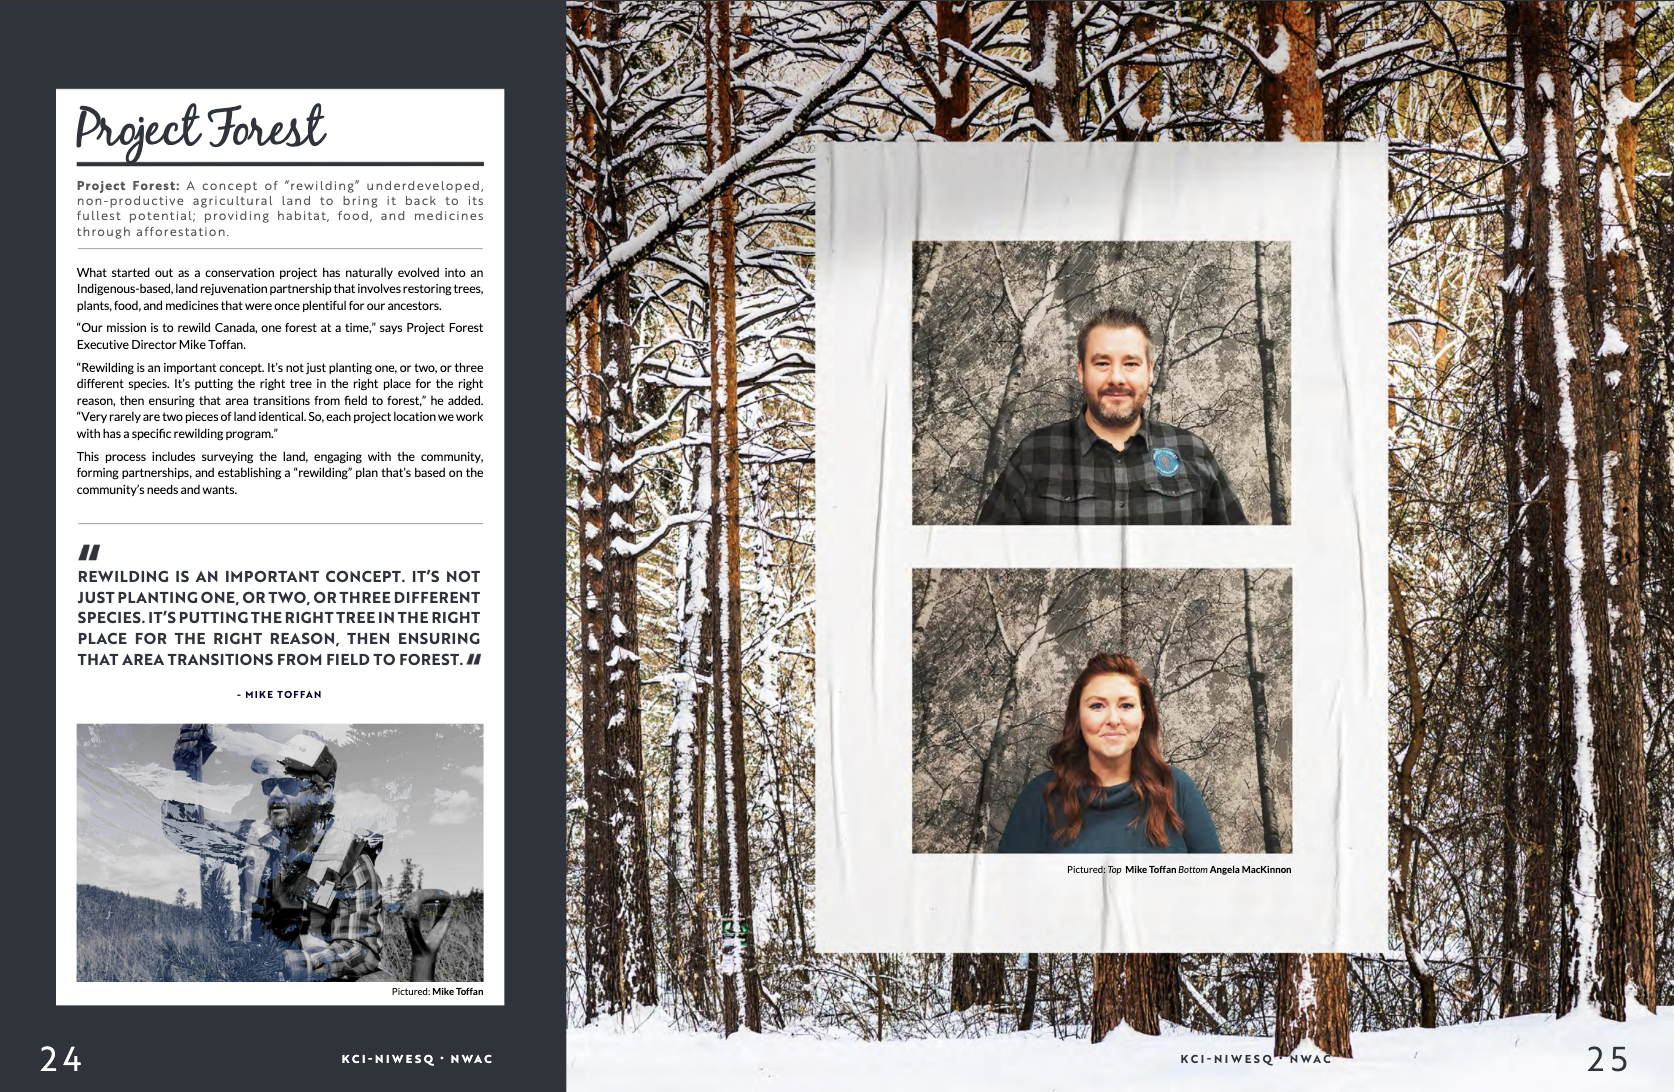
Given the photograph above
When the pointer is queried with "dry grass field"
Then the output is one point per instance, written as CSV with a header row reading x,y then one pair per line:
x,y
125,938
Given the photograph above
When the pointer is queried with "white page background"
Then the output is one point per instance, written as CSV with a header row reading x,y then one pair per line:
x,y
386,515
874,202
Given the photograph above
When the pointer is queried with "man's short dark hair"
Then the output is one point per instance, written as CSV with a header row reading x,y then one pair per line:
x,y
1119,317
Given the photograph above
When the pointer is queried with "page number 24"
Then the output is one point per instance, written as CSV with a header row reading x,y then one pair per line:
x,y
70,1060
1618,1060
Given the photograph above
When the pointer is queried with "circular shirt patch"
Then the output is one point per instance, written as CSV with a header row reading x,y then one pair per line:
x,y
1167,461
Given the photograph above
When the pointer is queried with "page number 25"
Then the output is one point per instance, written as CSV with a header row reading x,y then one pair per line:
x,y
1618,1060
70,1060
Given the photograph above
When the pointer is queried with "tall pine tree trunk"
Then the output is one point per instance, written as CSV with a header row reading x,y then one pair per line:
x,y
1595,920
621,968
1311,1002
1544,800
1628,841
732,843
953,23
1291,103
1124,989
590,553
1053,90
1165,987
1513,263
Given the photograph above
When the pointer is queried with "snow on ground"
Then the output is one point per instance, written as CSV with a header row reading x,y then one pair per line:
x,y
1523,1053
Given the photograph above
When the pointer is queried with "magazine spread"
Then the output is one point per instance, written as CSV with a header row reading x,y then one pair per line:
x,y
1045,543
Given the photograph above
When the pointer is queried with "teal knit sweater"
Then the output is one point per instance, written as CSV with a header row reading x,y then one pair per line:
x,y
1108,824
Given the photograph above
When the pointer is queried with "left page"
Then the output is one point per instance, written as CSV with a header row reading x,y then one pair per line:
x,y
280,460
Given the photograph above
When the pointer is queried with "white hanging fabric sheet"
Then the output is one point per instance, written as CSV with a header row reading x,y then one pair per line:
x,y
978,540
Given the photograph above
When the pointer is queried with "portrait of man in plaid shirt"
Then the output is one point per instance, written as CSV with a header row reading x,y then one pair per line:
x,y
308,880
1112,462
319,888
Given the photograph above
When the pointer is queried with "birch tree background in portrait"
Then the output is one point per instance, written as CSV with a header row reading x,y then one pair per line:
x,y
994,351
995,656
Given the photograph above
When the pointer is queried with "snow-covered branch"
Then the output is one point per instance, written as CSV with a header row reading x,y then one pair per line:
x,y
626,254
1366,56
623,548
1635,109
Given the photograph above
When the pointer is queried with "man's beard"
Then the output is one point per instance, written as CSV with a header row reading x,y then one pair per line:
x,y
300,818
1113,420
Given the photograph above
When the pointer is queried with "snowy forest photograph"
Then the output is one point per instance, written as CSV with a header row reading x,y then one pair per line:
x,y
994,356
1531,540
995,651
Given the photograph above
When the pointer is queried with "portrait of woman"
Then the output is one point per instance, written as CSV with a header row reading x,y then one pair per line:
x,y
1109,789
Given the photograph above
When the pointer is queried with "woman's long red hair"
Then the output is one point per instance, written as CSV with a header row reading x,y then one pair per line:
x,y
1150,776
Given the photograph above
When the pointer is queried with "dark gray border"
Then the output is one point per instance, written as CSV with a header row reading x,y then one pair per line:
x,y
515,46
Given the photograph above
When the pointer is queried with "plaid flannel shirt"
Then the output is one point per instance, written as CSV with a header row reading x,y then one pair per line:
x,y
1064,473
354,942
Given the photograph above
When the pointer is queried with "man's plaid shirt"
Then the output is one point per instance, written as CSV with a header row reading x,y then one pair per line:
x,y
1064,473
354,938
